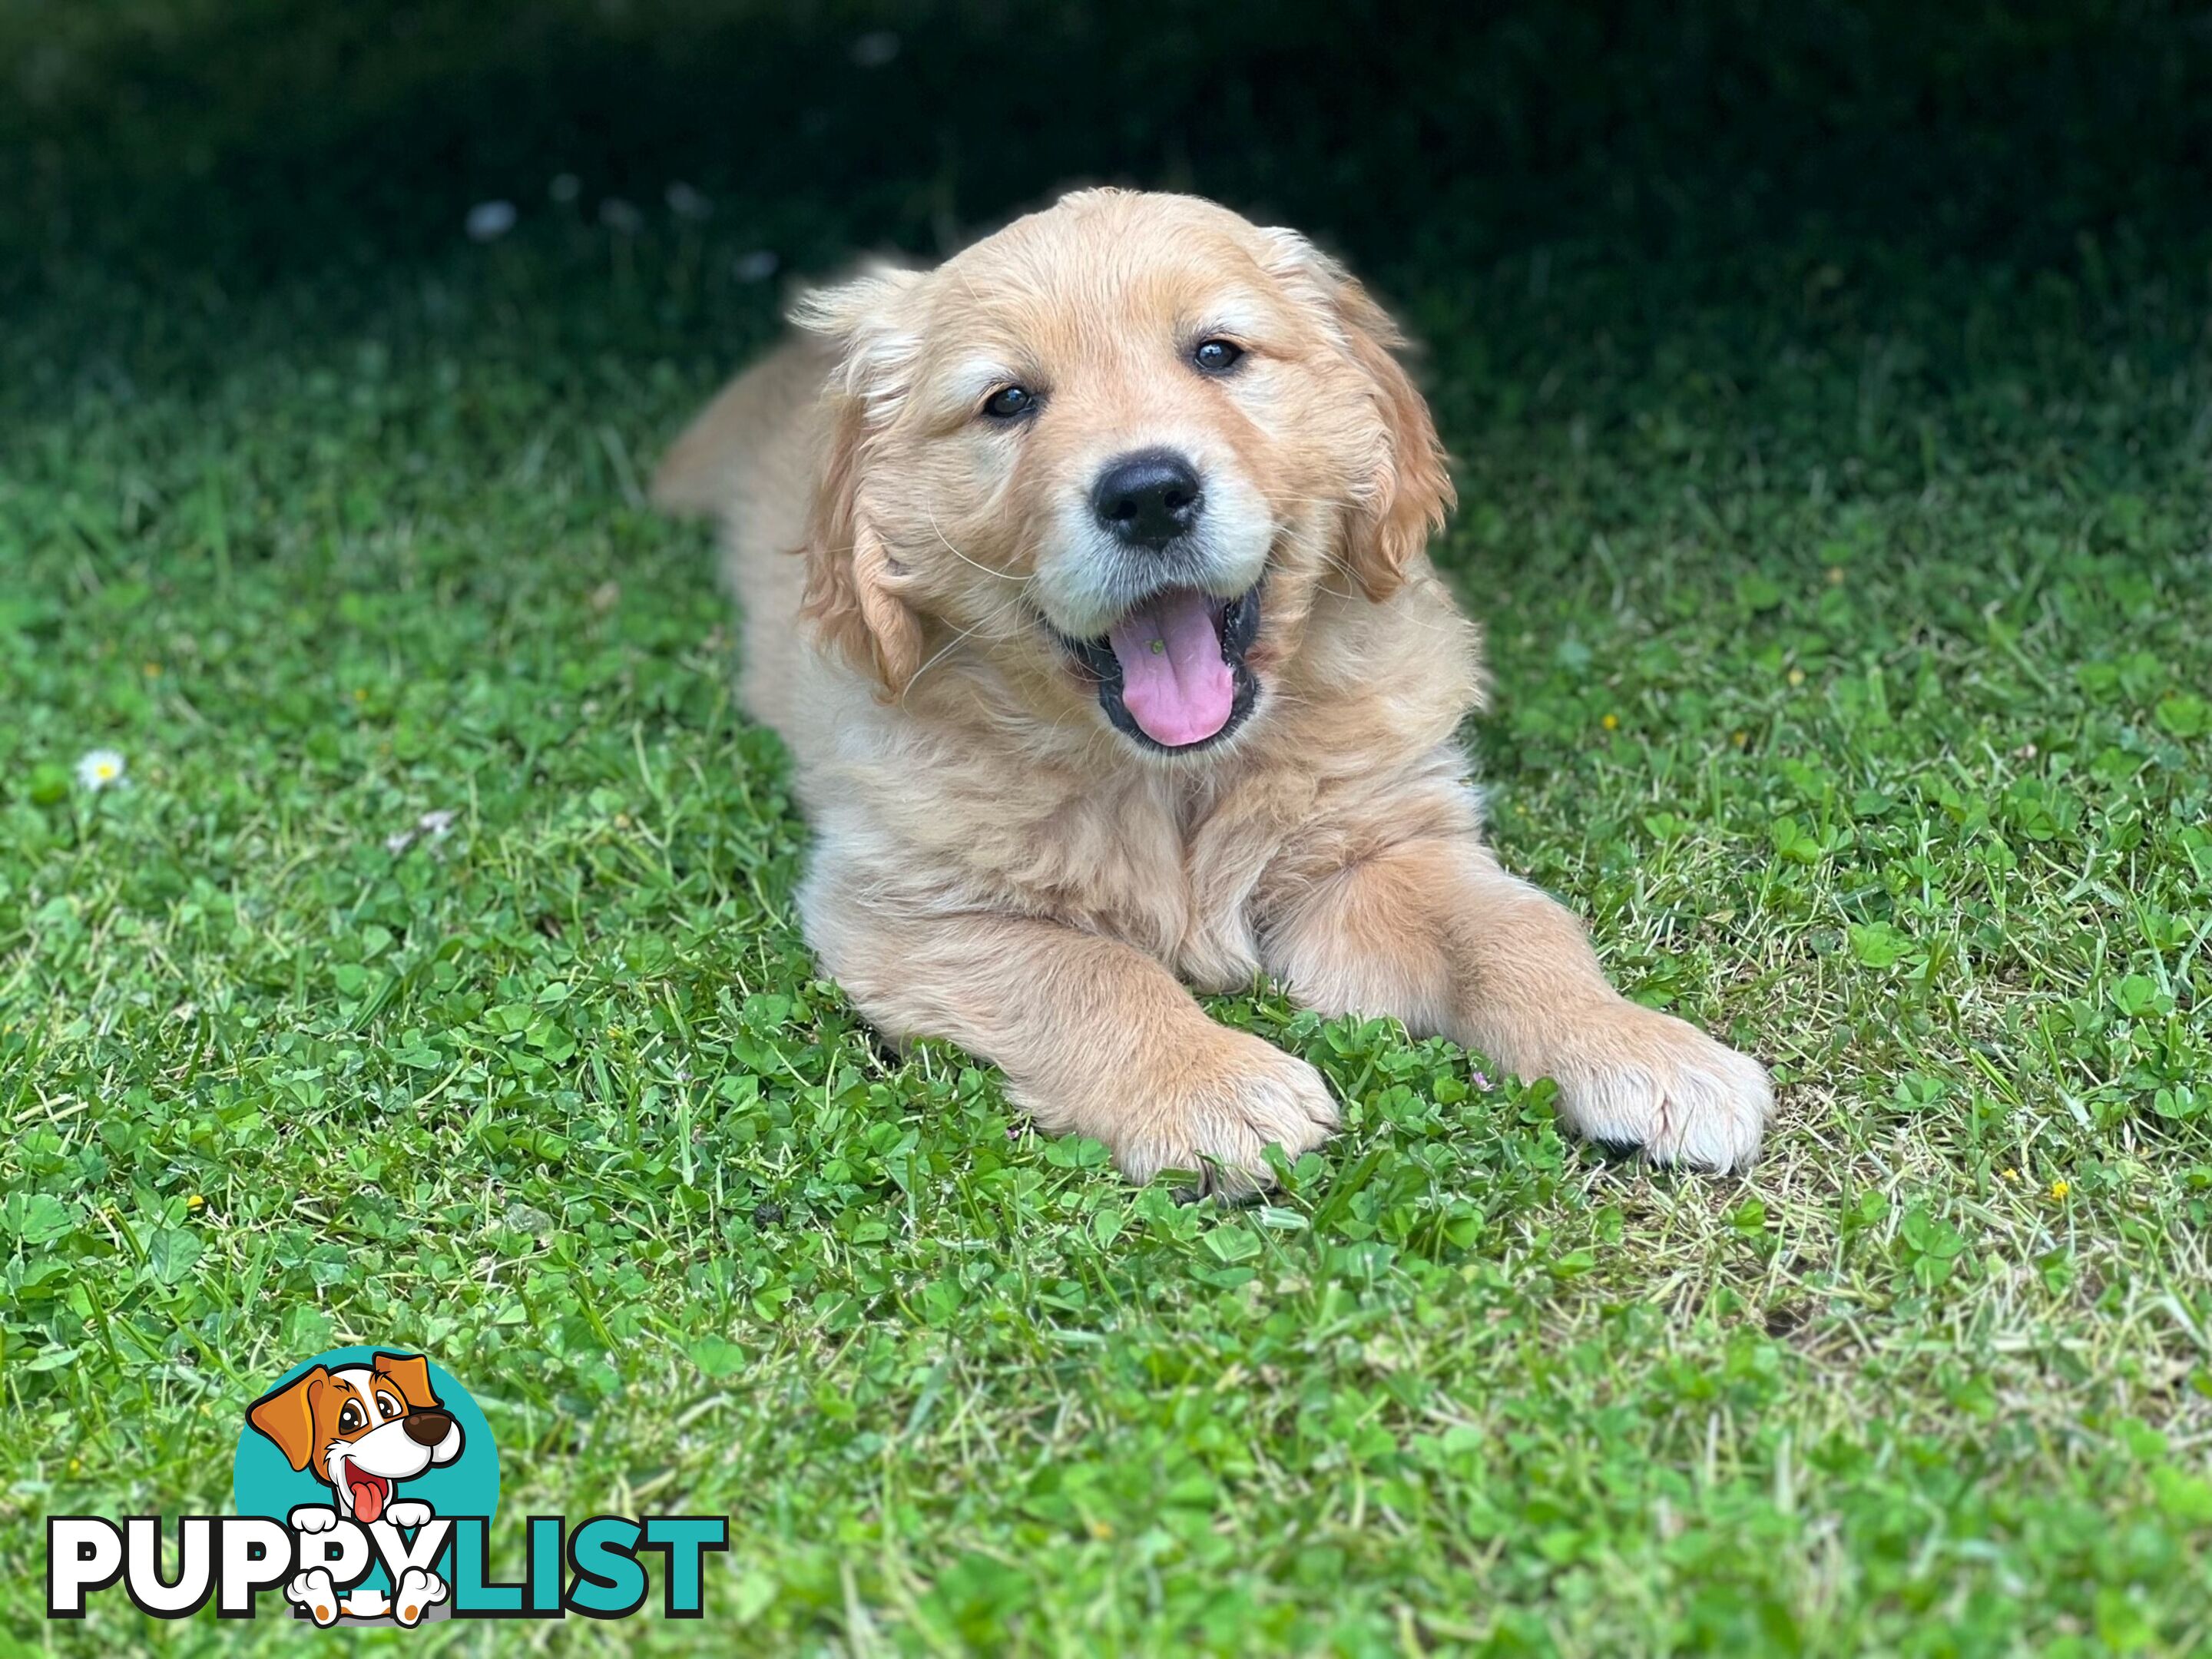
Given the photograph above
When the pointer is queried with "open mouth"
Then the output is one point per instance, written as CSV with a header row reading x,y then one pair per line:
x,y
1172,673
367,1493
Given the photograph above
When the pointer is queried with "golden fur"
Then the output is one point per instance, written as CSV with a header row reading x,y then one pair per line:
x,y
997,865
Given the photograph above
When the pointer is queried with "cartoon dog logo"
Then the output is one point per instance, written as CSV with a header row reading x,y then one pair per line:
x,y
361,1430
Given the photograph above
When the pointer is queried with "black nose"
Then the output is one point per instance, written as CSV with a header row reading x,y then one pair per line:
x,y
1148,499
429,1428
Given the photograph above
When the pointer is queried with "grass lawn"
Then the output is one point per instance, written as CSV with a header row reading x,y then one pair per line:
x,y
1851,613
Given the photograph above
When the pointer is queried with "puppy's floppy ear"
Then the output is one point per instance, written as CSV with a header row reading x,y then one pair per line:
x,y
1411,492
411,1372
852,579
287,1415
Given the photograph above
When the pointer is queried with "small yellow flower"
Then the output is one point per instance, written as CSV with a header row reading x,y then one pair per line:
x,y
1611,722
196,1202
2060,1188
2009,1174
152,670
360,694
1835,575
1740,739
1796,676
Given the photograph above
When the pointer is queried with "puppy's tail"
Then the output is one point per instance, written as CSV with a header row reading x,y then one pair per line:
x,y
703,473
693,479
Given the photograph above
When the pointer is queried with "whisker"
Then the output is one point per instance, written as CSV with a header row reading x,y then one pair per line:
x,y
974,627
945,542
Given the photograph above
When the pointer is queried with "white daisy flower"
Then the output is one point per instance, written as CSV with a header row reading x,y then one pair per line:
x,y
435,825
490,221
687,203
398,842
100,769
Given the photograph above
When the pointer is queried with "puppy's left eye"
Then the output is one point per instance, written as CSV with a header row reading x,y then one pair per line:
x,y
1010,403
349,1418
390,1406
1217,356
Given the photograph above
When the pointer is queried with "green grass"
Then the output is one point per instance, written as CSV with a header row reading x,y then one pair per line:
x,y
1851,615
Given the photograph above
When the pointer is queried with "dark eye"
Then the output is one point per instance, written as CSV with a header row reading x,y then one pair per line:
x,y
390,1406
349,1418
1009,402
1217,356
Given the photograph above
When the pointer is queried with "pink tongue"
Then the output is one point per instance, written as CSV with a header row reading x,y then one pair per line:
x,y
367,1500
1174,682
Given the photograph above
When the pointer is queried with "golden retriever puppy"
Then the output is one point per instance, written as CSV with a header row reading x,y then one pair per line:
x,y
1085,578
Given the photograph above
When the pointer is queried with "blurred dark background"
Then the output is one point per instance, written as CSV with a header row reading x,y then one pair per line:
x,y
225,149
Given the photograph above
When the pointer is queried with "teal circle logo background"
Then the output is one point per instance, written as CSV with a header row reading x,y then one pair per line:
x,y
264,1483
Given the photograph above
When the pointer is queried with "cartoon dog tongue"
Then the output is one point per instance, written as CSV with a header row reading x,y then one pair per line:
x,y
367,1496
1175,683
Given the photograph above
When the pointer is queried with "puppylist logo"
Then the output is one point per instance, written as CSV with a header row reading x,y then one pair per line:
x,y
366,1481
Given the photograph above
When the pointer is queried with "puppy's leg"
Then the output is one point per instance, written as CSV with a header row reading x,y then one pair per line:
x,y
314,1595
1435,933
414,1595
1094,1037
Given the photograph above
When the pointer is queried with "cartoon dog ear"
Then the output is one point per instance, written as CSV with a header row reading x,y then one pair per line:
x,y
287,1415
852,579
411,1371
1411,492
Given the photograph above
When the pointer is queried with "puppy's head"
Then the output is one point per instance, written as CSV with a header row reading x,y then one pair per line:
x,y
1116,448
362,1428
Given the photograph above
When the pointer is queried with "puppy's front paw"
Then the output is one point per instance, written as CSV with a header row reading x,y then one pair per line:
x,y
1214,1111
1634,1077
313,1517
406,1512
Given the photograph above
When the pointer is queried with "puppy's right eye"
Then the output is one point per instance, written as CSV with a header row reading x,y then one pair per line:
x,y
1008,403
349,1418
1217,356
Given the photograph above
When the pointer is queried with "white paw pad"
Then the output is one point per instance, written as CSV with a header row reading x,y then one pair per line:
x,y
313,1593
417,1592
